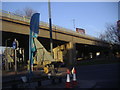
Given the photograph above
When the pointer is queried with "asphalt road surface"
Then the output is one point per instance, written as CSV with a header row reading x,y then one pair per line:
x,y
102,76
91,76
95,76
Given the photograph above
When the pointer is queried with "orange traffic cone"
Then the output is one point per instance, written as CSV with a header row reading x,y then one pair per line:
x,y
68,83
74,81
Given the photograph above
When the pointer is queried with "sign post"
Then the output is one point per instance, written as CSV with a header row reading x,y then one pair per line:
x,y
15,46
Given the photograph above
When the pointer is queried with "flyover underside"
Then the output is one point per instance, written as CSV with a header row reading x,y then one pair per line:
x,y
67,52
24,41
67,47
84,51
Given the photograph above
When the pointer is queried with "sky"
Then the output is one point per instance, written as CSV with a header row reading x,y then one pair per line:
x,y
119,10
91,16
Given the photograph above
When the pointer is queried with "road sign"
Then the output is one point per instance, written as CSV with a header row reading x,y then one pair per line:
x,y
14,45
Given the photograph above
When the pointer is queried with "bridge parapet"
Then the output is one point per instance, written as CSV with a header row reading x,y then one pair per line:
x,y
42,24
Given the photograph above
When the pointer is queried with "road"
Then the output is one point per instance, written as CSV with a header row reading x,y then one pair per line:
x,y
91,76
103,75
95,76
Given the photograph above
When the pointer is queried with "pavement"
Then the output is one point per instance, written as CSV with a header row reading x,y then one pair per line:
x,y
48,84
81,84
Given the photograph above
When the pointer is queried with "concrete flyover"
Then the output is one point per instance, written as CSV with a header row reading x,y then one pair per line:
x,y
68,44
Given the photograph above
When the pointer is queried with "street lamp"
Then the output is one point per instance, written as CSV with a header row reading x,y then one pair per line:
x,y
50,27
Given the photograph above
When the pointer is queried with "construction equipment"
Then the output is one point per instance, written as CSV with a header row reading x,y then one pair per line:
x,y
37,53
43,58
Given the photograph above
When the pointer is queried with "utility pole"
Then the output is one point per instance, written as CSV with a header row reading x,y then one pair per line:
x,y
50,27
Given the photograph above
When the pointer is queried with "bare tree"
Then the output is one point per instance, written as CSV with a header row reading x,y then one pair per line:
x,y
118,29
111,35
19,12
27,12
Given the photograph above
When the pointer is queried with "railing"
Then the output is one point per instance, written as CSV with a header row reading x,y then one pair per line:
x,y
44,24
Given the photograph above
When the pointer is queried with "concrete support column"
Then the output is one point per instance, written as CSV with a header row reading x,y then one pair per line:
x,y
94,54
110,54
71,53
102,54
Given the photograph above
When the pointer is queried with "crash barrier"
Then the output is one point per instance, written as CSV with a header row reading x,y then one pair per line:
x,y
24,81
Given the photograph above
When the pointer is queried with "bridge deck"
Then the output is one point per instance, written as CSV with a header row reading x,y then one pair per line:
x,y
59,33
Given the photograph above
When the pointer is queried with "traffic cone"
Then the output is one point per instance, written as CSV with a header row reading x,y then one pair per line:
x,y
68,83
74,81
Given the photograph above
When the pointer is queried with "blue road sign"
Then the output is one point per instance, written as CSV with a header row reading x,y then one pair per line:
x,y
14,45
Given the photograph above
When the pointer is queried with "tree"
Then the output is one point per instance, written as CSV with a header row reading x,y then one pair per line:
x,y
111,35
19,12
118,29
27,12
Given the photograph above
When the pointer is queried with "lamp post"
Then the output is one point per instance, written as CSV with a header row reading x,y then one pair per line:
x,y
50,27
